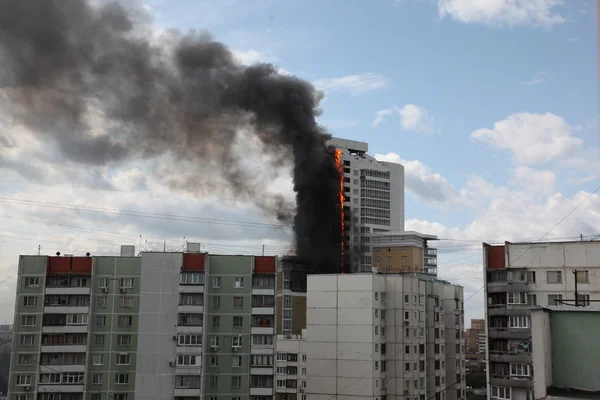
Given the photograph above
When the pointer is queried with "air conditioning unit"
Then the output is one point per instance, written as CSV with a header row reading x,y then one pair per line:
x,y
27,388
301,390
235,349
105,289
175,337
171,364
123,290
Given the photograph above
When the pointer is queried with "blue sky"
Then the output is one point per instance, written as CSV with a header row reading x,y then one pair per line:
x,y
491,105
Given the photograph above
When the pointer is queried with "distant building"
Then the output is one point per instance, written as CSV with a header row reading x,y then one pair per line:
x,y
476,337
376,336
404,252
290,367
519,276
374,193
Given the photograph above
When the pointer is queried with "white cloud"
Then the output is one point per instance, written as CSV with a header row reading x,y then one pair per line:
x,y
538,78
251,56
353,84
502,12
412,118
534,180
531,138
421,182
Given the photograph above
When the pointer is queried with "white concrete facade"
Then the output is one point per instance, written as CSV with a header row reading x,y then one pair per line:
x,y
290,366
372,336
374,194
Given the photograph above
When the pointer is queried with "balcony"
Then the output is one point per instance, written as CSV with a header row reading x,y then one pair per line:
x,y
261,391
262,325
505,357
508,310
187,393
263,310
55,368
61,388
263,285
509,333
188,309
261,370
191,288
511,381
65,329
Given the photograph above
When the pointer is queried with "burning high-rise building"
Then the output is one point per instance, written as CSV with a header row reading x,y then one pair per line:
x,y
373,199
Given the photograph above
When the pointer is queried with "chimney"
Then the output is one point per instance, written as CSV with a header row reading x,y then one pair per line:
x,y
127,251
193,247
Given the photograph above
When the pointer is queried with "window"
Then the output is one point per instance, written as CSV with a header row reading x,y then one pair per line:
x,y
236,361
121,396
191,278
389,259
126,283
407,367
214,341
214,381
186,360
404,259
519,321
26,340
102,283
123,359
98,359
191,299
189,340
49,378
530,276
516,298
122,379
236,381
532,299
187,381
519,369
29,301
216,282
72,378
262,360
25,359
100,320
216,321
583,300
262,340
280,383
23,380
101,301
97,379
28,320
236,341
32,281
125,320
77,319
238,301
501,392
126,301
216,301
583,277
554,277
124,340
99,339
214,361
238,283
554,300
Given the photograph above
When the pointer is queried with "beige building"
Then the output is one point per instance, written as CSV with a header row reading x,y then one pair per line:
x,y
290,299
403,252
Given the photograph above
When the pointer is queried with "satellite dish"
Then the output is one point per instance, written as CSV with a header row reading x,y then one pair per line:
x,y
58,253
87,254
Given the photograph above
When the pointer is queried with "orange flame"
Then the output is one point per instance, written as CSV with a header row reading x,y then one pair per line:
x,y
340,167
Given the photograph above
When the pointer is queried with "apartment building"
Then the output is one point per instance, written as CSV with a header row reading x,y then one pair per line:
x,y
374,194
404,252
158,326
519,276
290,367
476,337
376,336
291,296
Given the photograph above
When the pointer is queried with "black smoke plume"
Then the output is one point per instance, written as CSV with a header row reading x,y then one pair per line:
x,y
67,64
